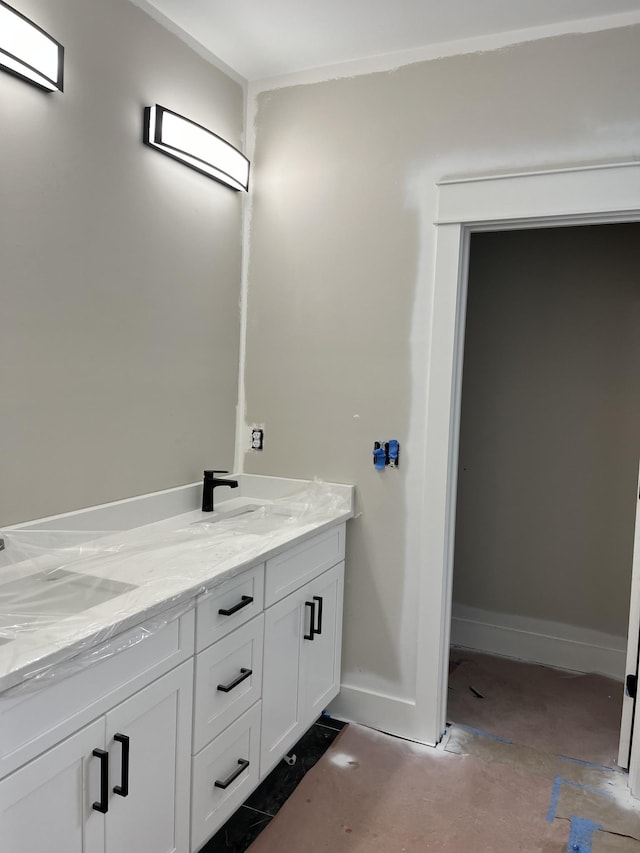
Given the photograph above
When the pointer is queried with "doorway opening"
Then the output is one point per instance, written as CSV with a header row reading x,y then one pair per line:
x,y
546,487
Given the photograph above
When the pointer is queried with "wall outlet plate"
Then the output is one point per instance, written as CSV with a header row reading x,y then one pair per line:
x,y
257,438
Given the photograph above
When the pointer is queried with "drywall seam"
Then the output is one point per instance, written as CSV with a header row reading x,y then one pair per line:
x,y
477,44
539,641
189,40
242,430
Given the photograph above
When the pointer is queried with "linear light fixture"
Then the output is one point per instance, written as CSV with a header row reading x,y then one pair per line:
x,y
199,148
29,52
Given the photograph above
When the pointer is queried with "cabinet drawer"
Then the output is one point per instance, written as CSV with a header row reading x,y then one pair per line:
x,y
235,664
233,597
219,762
32,722
300,564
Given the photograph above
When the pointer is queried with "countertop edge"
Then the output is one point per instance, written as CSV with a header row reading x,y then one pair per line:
x,y
182,601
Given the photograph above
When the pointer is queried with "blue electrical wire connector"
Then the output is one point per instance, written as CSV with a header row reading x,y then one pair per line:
x,y
386,454
379,457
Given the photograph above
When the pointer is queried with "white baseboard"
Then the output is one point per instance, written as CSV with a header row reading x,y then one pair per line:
x,y
539,641
385,713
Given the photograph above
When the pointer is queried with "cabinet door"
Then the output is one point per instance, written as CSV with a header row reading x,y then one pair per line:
x,y
321,656
149,792
282,699
47,805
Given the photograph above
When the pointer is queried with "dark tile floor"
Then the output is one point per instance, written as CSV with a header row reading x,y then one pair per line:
x,y
247,823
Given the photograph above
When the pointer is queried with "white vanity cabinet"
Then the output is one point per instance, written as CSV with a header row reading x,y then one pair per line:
x,y
262,678
303,640
227,691
225,772
152,812
121,783
46,804
151,749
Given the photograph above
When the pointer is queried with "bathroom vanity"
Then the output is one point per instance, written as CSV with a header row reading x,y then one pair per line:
x,y
150,741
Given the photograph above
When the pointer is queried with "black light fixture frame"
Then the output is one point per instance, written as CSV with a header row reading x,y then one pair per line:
x,y
58,83
167,149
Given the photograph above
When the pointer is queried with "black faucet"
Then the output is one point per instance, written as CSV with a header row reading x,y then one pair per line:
x,y
209,484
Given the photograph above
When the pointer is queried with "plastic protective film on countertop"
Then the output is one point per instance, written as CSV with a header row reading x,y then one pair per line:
x,y
71,598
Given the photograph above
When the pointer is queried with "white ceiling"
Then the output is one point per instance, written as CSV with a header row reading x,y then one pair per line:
x,y
265,38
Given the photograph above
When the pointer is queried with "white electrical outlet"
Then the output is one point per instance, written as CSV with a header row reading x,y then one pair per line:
x,y
257,438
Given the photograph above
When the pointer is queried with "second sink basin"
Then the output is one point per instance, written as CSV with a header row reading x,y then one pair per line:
x,y
45,597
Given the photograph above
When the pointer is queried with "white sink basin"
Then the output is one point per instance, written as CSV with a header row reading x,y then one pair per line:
x,y
249,518
46,597
222,514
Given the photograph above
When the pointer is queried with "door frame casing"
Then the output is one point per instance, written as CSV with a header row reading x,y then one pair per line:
x,y
591,195
631,705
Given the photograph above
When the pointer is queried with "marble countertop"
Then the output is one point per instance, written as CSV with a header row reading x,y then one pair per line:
x,y
161,566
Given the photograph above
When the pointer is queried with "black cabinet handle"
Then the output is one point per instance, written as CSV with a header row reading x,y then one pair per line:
x,y
244,673
102,805
318,598
244,600
243,766
312,620
123,788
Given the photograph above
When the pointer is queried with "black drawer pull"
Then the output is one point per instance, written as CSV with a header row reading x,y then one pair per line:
x,y
244,600
122,790
244,673
102,805
318,598
243,766
312,620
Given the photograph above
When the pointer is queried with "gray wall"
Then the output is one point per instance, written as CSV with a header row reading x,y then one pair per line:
x,y
550,425
341,278
119,274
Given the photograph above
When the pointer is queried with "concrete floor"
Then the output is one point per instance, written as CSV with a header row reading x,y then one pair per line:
x,y
552,710
478,791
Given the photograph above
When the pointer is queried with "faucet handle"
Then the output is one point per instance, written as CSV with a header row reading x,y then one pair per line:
x,y
212,473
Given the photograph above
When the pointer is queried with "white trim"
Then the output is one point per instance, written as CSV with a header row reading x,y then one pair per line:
x,y
539,641
528,173
440,469
476,44
629,704
385,713
634,759
592,194
534,194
